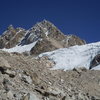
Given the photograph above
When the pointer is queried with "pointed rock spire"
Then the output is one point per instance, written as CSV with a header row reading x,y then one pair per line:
x,y
10,27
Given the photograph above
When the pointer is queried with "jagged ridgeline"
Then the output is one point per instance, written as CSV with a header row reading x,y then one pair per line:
x,y
45,36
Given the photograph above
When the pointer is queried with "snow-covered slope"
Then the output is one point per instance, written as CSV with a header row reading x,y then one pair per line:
x,y
21,49
76,56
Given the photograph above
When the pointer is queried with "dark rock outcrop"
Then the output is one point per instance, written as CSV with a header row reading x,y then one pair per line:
x,y
95,61
43,46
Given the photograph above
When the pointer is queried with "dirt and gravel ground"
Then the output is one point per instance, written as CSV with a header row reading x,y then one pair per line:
x,y
26,78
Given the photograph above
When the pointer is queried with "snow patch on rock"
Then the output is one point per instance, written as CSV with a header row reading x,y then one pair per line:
x,y
21,49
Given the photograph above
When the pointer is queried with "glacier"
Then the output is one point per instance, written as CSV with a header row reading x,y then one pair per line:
x,y
75,56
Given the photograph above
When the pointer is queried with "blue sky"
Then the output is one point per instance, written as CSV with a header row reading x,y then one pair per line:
x,y
79,17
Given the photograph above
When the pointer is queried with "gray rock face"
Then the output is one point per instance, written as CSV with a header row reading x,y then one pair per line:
x,y
43,46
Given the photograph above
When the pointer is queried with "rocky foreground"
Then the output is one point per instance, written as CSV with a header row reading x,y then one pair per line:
x,y
27,78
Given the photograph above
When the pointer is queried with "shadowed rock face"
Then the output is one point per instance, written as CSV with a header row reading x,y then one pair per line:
x,y
43,46
95,61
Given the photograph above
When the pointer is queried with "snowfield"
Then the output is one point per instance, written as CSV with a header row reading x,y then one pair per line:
x,y
76,56
21,49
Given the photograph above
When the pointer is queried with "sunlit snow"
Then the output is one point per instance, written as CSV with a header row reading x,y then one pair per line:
x,y
20,48
76,56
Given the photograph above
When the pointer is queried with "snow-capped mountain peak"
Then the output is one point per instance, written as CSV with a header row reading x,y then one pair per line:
x,y
45,35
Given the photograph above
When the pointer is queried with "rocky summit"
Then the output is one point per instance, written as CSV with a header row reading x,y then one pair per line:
x,y
42,63
47,37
